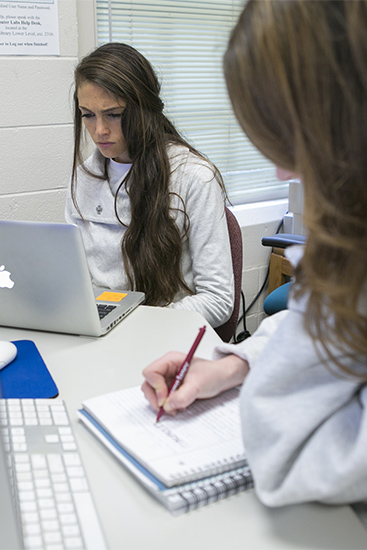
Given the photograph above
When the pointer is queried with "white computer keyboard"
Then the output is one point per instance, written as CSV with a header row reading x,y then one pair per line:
x,y
51,489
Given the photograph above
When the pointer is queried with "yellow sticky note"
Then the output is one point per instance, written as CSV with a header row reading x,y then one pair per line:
x,y
111,296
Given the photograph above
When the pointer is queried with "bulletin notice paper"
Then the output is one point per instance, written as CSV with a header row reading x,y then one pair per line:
x,y
29,28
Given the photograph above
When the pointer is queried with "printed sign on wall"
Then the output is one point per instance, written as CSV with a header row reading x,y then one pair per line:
x,y
29,28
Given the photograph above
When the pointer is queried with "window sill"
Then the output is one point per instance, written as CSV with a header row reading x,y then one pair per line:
x,y
260,212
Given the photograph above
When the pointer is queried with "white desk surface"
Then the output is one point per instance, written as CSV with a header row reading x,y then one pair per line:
x,y
132,518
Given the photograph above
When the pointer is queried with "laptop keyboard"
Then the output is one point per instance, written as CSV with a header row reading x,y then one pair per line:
x,y
104,309
49,482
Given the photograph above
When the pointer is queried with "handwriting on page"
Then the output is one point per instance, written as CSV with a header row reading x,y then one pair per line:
x,y
202,433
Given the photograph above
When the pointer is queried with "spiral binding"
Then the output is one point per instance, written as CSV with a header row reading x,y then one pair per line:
x,y
211,491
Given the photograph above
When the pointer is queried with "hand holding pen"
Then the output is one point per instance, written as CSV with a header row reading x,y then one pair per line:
x,y
204,379
183,369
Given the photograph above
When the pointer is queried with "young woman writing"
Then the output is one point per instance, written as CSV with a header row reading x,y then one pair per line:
x,y
296,72
149,206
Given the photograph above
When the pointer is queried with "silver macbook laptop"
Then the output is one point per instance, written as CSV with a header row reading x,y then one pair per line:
x,y
45,282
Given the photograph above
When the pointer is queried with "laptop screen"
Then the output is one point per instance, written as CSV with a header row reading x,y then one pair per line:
x,y
10,537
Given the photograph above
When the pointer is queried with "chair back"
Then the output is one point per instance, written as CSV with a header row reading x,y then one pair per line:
x,y
227,330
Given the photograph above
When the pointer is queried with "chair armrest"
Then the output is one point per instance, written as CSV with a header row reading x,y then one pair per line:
x,y
283,240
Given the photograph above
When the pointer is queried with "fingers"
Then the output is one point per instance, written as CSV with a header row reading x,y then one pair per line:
x,y
181,398
150,395
159,376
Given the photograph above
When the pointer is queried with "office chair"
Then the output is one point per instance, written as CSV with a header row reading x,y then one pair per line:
x,y
280,270
227,330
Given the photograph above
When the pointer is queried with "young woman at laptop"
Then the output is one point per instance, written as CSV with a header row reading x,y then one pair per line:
x,y
150,208
297,77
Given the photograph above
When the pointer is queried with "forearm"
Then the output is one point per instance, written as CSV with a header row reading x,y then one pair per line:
x,y
230,371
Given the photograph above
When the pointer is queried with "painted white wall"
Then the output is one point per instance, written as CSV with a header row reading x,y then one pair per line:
x,y
257,221
36,133
36,142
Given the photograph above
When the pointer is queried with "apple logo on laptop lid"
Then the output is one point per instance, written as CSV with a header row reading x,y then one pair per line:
x,y
5,280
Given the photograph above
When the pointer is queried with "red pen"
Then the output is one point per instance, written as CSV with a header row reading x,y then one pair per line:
x,y
183,369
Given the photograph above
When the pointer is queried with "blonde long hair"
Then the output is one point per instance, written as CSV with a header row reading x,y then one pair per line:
x,y
296,73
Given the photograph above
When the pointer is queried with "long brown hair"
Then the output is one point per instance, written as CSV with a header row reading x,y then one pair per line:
x,y
152,243
296,72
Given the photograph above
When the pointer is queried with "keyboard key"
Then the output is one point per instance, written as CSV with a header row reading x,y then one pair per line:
x,y
75,471
51,525
68,519
63,497
17,431
48,513
52,438
27,496
61,488
18,440
59,478
69,447
16,422
30,517
38,462
46,503
60,419
70,530
67,438
31,421
19,467
74,542
44,493
32,529
42,483
55,463
65,431
72,459
18,458
26,507
29,412
53,537
17,447
33,542
77,484
65,508
26,486
41,474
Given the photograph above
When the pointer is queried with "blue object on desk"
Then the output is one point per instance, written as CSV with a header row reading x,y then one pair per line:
x,y
27,376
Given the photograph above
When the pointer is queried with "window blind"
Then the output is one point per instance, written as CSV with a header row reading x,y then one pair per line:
x,y
185,41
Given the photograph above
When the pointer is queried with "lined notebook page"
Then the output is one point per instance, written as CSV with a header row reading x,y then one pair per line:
x,y
203,440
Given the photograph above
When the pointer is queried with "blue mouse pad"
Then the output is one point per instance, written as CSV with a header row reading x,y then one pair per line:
x,y
27,376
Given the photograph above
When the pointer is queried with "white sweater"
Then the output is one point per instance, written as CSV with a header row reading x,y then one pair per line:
x,y
206,257
304,423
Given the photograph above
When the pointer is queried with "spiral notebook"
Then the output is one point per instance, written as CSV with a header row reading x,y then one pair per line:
x,y
186,461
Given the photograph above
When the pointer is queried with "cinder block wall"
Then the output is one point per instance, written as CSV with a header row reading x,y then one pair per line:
x,y
36,134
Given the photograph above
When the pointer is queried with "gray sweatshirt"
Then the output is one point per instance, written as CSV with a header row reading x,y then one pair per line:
x,y
206,257
304,422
